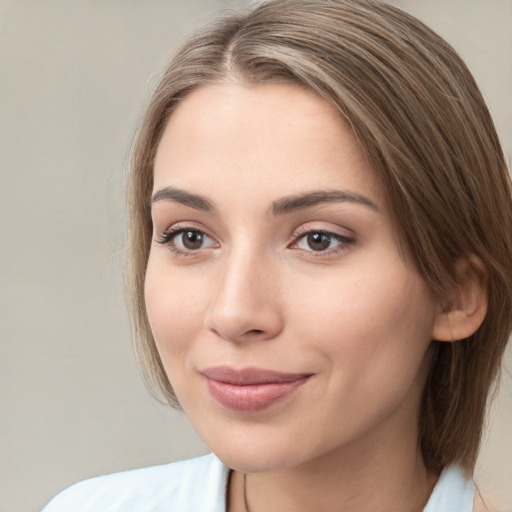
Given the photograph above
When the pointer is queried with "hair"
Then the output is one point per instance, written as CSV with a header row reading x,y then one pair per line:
x,y
419,116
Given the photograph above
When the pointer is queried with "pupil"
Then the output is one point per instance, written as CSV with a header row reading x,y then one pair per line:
x,y
319,241
192,240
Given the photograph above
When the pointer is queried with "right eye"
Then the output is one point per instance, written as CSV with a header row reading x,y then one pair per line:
x,y
186,240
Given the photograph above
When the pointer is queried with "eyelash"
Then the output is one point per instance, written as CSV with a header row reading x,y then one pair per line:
x,y
169,236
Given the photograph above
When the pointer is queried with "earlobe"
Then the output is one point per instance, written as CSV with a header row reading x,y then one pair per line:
x,y
465,308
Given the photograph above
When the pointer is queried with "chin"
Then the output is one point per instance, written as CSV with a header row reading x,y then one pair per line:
x,y
257,452
256,460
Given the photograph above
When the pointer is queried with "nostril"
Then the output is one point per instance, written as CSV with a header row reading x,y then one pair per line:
x,y
255,331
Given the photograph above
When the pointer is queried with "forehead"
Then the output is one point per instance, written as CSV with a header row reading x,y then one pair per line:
x,y
236,138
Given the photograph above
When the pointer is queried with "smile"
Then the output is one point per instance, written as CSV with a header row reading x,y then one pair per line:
x,y
252,389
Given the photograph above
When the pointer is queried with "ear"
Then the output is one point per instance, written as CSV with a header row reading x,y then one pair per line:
x,y
465,308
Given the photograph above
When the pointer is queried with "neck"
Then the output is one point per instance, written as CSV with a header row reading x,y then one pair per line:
x,y
378,472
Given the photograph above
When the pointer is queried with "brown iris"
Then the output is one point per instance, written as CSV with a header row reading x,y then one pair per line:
x,y
318,241
192,240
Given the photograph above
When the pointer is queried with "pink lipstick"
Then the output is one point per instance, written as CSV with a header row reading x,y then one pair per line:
x,y
251,389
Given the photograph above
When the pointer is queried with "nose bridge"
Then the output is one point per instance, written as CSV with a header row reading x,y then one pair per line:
x,y
246,302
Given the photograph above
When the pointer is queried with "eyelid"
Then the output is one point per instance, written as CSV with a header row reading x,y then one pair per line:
x,y
181,226
318,227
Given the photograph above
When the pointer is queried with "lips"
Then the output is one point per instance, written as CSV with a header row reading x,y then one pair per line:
x,y
251,389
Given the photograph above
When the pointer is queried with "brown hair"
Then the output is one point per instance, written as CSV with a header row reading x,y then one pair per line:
x,y
422,121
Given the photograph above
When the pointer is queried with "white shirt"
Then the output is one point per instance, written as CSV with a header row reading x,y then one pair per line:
x,y
199,485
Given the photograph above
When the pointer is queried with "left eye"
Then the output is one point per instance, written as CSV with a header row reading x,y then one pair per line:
x,y
319,241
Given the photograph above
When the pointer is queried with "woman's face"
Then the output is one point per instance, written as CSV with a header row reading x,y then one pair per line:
x,y
290,323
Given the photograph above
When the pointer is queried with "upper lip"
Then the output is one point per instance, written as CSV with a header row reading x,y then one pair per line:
x,y
250,376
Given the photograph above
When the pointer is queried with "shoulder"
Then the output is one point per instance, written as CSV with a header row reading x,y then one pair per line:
x,y
152,489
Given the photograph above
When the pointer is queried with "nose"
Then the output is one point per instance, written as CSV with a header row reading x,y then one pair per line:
x,y
246,301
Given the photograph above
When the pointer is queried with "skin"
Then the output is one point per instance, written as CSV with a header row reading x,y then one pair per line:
x,y
356,316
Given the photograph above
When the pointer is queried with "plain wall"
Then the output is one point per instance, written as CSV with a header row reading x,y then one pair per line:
x,y
73,78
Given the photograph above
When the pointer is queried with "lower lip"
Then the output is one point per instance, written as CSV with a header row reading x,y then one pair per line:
x,y
252,397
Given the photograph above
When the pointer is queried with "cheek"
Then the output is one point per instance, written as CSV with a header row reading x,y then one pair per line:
x,y
372,334
370,324
175,310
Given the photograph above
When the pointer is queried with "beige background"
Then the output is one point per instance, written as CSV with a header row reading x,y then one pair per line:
x,y
73,77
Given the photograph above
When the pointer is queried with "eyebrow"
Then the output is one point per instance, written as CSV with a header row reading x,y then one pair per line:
x,y
297,202
181,196
279,207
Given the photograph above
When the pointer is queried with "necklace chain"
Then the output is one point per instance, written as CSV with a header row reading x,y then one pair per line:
x,y
246,505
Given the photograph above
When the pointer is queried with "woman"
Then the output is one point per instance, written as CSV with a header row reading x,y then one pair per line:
x,y
320,242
